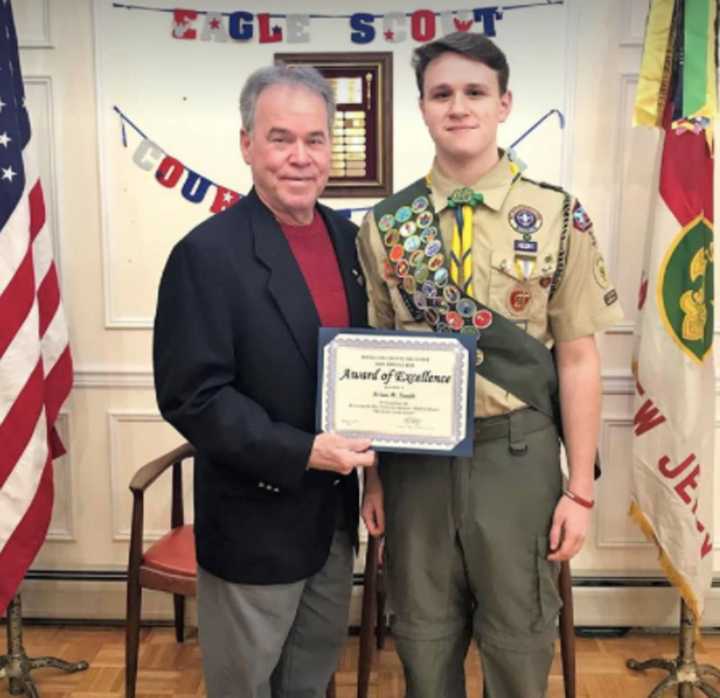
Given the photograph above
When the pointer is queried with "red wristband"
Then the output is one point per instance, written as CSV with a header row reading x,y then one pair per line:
x,y
587,503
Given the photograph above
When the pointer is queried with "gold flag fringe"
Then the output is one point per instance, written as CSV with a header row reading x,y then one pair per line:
x,y
675,577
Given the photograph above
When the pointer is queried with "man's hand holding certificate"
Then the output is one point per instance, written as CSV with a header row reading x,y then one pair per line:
x,y
403,391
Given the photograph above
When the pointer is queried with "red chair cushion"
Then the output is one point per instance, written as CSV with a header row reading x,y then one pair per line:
x,y
174,553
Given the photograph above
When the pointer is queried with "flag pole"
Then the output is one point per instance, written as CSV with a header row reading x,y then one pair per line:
x,y
684,672
16,665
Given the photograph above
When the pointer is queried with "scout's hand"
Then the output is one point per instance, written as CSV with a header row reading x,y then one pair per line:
x,y
340,454
373,511
569,528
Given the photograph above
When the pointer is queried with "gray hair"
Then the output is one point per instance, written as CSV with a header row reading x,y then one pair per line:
x,y
281,74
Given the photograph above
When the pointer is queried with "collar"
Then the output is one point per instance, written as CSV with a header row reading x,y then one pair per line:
x,y
494,184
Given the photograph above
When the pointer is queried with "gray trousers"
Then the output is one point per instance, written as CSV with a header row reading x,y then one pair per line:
x,y
466,542
277,640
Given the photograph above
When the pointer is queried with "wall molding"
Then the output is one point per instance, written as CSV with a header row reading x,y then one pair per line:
x,y
66,534
120,528
43,38
632,31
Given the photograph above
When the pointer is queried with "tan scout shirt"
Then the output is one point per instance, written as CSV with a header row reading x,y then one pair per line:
x,y
553,305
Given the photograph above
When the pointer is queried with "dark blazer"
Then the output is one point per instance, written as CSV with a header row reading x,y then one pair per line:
x,y
235,357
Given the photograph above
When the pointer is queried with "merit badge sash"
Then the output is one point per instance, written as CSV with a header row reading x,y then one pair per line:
x,y
507,355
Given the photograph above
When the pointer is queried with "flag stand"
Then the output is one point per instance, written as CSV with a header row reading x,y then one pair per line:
x,y
16,665
684,672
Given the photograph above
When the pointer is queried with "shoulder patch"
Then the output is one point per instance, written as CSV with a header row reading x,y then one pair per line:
x,y
581,220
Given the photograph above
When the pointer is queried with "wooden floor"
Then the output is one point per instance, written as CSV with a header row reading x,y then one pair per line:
x,y
168,669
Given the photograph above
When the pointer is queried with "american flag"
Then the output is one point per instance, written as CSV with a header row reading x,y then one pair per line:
x,y
35,362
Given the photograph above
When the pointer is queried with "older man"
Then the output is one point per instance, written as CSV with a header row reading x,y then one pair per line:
x,y
239,307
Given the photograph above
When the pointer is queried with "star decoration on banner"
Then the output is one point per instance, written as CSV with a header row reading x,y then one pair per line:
x,y
4,139
276,29
8,173
215,23
389,34
2,105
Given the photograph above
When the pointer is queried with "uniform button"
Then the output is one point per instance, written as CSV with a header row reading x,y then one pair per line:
x,y
336,482
261,485
276,489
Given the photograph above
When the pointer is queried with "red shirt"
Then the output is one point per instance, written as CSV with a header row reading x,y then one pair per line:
x,y
315,255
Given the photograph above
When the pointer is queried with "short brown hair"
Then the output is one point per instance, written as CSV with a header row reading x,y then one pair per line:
x,y
476,47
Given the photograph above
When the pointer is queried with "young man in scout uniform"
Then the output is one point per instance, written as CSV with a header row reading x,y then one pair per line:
x,y
473,544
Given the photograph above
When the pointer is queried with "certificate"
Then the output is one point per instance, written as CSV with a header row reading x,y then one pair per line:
x,y
405,391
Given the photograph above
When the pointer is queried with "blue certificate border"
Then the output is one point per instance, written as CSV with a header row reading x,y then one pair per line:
x,y
463,448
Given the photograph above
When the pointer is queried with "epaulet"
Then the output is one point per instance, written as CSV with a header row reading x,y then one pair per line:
x,y
545,185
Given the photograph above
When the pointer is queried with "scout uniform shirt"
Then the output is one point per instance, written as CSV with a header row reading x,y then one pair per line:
x,y
559,292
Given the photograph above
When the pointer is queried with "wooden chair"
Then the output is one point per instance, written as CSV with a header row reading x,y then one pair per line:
x,y
566,621
170,565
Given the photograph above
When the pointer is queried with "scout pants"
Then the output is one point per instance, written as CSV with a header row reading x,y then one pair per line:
x,y
275,640
466,547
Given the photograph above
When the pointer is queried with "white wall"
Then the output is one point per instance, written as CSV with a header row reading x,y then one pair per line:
x,y
111,421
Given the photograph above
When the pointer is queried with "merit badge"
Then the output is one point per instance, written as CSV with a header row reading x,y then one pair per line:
x,y
396,253
518,299
424,219
433,247
404,213
386,222
412,243
545,281
436,262
419,204
482,319
581,220
431,316
600,273
466,307
470,331
408,229
421,275
402,267
409,284
454,319
416,258
610,297
525,220
529,247
441,276
451,294
420,300
429,290
429,233
392,237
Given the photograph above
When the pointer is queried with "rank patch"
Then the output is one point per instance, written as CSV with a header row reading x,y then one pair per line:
x,y
525,220
600,273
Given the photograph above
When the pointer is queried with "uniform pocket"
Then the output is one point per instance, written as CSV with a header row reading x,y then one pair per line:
x,y
548,595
